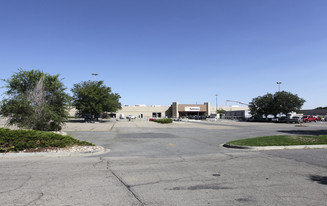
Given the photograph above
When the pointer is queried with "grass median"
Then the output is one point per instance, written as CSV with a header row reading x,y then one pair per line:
x,y
281,140
35,141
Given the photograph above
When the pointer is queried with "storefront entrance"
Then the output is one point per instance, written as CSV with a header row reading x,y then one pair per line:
x,y
192,115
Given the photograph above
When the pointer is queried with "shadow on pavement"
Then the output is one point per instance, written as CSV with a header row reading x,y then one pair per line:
x,y
320,179
305,132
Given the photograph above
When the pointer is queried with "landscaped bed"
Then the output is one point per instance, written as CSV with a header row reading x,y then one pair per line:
x,y
281,140
164,121
35,141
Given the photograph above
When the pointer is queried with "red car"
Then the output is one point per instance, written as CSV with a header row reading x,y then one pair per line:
x,y
309,118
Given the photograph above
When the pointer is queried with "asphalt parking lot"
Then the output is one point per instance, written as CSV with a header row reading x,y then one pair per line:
x,y
177,164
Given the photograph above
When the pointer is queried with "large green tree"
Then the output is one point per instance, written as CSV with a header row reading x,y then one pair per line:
x,y
35,100
280,102
94,98
286,102
262,105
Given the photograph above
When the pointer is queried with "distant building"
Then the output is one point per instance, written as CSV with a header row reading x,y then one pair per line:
x,y
143,111
318,112
175,110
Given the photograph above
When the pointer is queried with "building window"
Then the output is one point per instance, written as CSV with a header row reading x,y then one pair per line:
x,y
154,114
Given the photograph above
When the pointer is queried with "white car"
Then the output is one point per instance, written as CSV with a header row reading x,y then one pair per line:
x,y
130,117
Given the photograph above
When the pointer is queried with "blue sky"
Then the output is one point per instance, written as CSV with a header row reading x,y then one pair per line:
x,y
156,52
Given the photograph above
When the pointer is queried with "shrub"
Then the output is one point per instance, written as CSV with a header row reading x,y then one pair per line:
x,y
164,121
19,140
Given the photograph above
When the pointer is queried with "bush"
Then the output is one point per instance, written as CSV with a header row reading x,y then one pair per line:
x,y
19,140
164,121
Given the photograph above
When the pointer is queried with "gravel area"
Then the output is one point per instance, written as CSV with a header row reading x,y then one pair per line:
x,y
80,149
57,152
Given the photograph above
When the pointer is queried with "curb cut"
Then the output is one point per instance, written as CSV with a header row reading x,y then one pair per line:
x,y
102,150
262,148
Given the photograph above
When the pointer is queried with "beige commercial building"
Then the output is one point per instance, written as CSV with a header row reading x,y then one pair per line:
x,y
175,110
143,111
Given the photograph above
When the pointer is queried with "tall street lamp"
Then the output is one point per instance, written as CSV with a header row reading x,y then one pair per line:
x,y
216,103
95,74
279,83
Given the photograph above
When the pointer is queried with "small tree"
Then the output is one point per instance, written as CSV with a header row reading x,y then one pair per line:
x,y
93,98
35,100
221,111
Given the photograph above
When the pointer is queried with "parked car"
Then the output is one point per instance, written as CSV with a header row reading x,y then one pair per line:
x,y
295,120
87,117
318,118
309,118
279,119
130,117
211,118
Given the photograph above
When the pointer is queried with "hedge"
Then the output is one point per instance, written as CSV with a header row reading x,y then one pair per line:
x,y
164,121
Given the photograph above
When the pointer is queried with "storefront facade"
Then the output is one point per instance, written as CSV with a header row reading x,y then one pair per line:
x,y
190,110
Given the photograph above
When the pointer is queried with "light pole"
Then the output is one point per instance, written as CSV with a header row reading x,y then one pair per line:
x,y
95,74
216,103
279,83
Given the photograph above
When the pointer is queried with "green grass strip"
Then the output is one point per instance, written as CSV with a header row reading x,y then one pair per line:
x,y
281,140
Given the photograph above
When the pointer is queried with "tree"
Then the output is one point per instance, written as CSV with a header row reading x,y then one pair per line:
x,y
286,102
280,102
262,105
93,98
221,111
35,100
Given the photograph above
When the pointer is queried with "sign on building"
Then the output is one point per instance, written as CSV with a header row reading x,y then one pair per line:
x,y
192,109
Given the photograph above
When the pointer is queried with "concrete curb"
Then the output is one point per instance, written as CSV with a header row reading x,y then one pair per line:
x,y
102,150
275,147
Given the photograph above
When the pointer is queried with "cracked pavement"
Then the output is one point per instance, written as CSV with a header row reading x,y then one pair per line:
x,y
179,164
